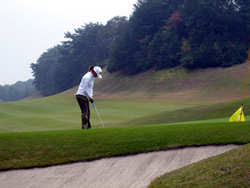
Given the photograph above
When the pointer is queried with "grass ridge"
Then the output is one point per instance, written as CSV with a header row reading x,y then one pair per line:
x,y
34,149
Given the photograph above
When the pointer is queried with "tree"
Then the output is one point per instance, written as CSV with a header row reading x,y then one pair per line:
x,y
211,27
17,91
122,57
131,50
159,34
62,67
44,71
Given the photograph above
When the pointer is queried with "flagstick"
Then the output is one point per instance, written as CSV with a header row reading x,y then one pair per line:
x,y
242,104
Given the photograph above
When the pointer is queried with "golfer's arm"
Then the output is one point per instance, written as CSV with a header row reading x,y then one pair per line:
x,y
86,93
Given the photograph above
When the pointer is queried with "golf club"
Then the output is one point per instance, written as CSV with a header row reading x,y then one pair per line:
x,y
98,114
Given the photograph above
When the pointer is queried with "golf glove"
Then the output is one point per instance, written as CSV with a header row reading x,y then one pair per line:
x,y
91,100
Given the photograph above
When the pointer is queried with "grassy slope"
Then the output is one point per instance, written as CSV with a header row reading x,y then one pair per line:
x,y
230,169
214,112
35,95
173,92
188,90
25,150
214,84
62,112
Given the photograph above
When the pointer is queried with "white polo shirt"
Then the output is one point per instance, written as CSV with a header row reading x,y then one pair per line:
x,y
86,86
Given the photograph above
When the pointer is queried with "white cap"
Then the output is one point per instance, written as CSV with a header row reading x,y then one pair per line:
x,y
98,71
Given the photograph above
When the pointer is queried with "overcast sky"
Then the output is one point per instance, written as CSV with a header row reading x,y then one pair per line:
x,y
29,27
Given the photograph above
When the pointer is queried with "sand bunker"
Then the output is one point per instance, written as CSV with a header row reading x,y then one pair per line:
x,y
117,172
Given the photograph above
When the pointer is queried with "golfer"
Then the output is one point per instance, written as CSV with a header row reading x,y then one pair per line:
x,y
84,94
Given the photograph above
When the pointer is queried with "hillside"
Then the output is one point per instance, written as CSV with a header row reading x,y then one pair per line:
x,y
166,96
35,95
211,84
200,101
157,35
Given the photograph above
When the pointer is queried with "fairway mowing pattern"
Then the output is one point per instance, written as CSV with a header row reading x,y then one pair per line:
x,y
61,112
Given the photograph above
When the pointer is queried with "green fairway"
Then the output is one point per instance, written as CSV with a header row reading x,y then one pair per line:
x,y
25,150
47,131
51,113
216,112
61,112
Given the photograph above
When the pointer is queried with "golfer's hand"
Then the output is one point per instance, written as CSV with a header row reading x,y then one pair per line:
x,y
91,100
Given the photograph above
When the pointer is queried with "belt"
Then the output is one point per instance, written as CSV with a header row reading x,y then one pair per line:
x,y
81,95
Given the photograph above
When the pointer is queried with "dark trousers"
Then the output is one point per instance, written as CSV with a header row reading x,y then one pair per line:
x,y
84,105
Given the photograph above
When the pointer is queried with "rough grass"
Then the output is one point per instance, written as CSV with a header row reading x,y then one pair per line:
x,y
36,149
218,84
230,169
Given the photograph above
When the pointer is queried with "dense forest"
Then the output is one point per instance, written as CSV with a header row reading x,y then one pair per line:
x,y
159,34
17,91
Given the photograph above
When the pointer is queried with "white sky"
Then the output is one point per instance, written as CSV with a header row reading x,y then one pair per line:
x,y
29,27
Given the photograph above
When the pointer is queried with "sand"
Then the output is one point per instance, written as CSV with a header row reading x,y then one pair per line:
x,y
135,171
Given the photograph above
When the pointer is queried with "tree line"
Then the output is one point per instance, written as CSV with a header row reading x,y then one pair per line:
x,y
159,34
16,91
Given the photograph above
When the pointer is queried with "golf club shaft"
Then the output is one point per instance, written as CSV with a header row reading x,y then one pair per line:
x,y
98,115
